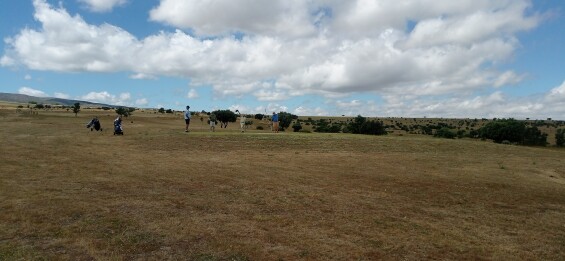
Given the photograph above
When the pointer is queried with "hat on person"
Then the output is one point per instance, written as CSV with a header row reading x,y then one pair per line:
x,y
187,107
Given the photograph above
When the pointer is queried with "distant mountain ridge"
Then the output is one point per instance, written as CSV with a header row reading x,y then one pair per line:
x,y
22,98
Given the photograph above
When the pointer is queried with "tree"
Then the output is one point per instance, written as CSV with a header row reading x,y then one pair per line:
x,y
360,125
512,130
259,116
162,110
534,137
285,119
125,111
356,125
76,108
225,116
503,129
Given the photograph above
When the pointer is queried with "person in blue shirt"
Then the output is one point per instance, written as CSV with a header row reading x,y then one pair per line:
x,y
187,118
275,120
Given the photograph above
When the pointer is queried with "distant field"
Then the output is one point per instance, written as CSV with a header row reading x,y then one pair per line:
x,y
159,193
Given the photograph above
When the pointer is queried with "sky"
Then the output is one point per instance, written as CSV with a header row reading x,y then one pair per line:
x,y
375,58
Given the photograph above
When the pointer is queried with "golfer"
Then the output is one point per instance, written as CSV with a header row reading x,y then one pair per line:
x,y
187,118
275,120
212,122
242,120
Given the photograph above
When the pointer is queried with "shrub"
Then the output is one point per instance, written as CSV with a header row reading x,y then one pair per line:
x,y
513,131
297,127
326,126
360,125
534,137
560,137
445,133
499,130
259,127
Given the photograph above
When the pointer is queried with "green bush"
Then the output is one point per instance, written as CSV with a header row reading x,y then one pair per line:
x,y
505,129
445,133
360,125
285,119
534,137
513,131
560,137
225,116
297,127
326,126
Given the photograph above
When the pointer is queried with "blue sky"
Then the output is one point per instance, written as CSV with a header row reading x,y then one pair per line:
x,y
424,58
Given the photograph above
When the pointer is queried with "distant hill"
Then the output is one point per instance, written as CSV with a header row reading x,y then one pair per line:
x,y
22,98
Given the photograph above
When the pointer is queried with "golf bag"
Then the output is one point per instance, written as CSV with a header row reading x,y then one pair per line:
x,y
94,124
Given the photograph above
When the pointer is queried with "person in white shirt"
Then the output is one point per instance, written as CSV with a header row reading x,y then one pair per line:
x,y
187,118
212,122
242,120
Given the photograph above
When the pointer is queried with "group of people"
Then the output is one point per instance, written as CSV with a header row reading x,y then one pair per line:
x,y
94,124
242,121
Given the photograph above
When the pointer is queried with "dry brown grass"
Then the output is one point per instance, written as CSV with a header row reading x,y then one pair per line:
x,y
158,193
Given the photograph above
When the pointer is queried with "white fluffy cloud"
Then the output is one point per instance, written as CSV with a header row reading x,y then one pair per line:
x,y
275,17
192,94
107,98
141,102
495,105
290,48
123,99
332,57
102,5
142,76
32,92
61,95
318,111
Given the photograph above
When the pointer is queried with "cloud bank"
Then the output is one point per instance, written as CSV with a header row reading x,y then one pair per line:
x,y
276,50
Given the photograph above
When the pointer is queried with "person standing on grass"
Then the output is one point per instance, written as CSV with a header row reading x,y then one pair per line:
x,y
275,120
187,118
242,120
212,122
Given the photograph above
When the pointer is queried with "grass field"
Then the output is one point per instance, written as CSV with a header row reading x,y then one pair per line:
x,y
158,193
